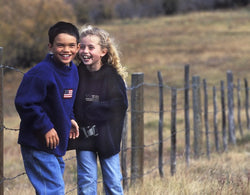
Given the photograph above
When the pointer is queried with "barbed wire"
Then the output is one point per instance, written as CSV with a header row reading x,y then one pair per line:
x,y
74,157
12,178
132,87
128,148
10,129
11,68
2,127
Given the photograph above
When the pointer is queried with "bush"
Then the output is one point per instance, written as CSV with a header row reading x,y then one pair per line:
x,y
24,26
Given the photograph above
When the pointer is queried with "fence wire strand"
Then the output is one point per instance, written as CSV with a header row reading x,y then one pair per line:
x,y
11,68
2,127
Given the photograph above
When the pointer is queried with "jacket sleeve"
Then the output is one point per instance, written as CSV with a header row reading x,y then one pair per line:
x,y
115,104
30,95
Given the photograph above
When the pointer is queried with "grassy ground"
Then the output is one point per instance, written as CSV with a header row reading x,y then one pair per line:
x,y
211,43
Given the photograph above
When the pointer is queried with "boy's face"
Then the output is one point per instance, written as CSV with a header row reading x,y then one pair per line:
x,y
64,48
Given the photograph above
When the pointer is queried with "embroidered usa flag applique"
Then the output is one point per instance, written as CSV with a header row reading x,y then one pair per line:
x,y
67,93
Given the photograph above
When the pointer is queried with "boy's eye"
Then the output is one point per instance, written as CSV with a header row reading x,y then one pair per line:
x,y
62,45
72,45
59,45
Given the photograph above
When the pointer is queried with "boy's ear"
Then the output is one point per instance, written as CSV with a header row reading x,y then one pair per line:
x,y
78,46
49,46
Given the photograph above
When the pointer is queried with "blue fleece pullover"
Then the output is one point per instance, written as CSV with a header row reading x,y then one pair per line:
x,y
44,101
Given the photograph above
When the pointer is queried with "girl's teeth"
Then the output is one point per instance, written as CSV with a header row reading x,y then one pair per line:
x,y
86,57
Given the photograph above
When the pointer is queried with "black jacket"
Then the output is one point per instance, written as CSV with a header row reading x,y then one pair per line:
x,y
101,100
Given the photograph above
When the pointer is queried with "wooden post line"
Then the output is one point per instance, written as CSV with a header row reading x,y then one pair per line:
x,y
216,136
239,107
160,130
187,119
1,127
223,116
197,116
206,117
173,131
137,127
231,126
247,103
124,153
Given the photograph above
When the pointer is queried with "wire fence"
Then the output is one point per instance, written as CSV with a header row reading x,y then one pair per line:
x,y
179,109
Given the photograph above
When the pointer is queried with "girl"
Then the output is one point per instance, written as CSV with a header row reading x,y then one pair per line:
x,y
100,108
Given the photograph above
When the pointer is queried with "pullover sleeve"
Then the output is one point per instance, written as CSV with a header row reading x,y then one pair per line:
x,y
29,100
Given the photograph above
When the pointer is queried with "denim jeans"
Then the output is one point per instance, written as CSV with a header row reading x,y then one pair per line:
x,y
87,173
44,170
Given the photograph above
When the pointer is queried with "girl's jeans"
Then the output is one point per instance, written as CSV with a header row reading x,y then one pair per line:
x,y
45,171
87,173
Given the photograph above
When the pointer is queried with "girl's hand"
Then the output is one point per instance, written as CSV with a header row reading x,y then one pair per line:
x,y
74,130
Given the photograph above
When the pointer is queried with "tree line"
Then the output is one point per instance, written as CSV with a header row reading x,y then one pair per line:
x,y
24,23
96,11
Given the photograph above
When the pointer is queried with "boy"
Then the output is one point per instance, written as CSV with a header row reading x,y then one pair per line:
x,y
44,102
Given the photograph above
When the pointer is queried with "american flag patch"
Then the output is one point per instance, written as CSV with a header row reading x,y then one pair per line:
x,y
67,93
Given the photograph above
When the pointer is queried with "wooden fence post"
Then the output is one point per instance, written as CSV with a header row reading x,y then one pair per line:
x,y
173,131
206,117
186,107
124,153
137,127
223,112
239,107
247,103
231,126
197,116
161,108
1,127
216,137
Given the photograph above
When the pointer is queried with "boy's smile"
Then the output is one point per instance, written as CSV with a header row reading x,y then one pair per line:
x,y
64,48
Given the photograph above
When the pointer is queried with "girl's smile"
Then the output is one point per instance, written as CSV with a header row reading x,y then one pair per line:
x,y
91,52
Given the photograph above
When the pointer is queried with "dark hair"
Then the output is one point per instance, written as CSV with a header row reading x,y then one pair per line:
x,y
62,27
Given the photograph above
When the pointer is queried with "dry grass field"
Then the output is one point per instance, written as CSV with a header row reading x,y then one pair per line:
x,y
211,43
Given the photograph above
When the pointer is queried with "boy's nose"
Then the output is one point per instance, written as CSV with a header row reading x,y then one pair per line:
x,y
66,48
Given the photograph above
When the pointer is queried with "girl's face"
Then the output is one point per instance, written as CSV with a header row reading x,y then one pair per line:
x,y
91,52
64,48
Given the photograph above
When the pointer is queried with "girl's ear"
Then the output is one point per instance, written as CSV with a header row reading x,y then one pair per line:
x,y
104,52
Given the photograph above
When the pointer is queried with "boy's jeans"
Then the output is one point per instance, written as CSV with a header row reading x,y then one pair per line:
x,y
87,174
45,171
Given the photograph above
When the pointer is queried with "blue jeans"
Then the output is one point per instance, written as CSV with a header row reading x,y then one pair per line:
x,y
45,171
87,173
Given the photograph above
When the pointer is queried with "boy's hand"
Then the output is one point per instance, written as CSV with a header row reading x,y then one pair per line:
x,y
74,130
52,139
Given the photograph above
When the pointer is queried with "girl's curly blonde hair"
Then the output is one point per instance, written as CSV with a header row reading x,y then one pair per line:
x,y
112,57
